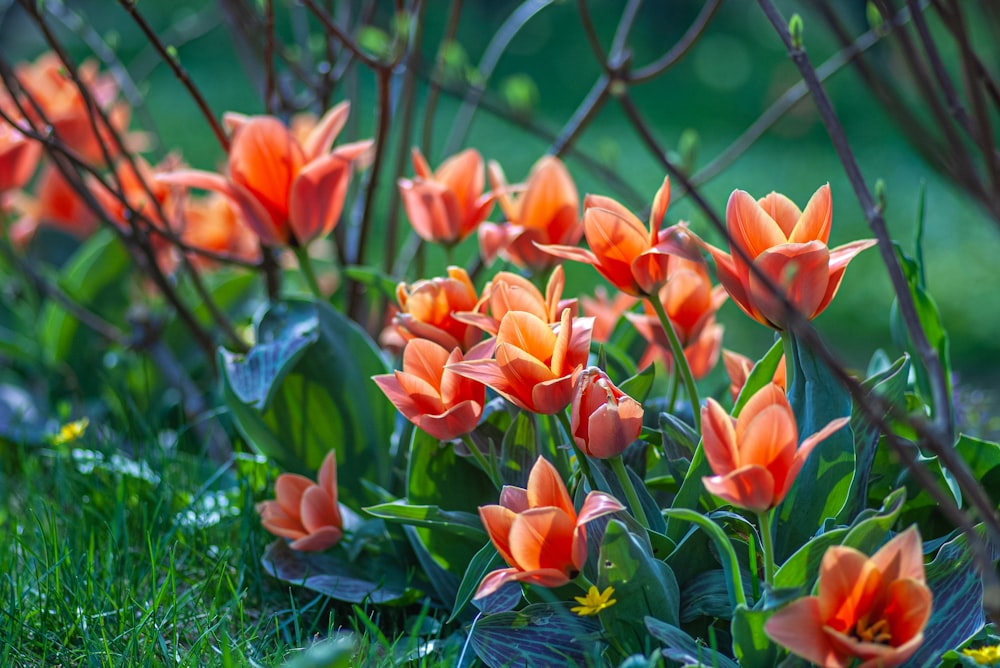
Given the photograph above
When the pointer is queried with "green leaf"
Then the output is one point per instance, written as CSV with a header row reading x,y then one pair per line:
x,y
644,586
455,521
639,385
372,277
310,390
486,560
683,648
751,645
336,578
333,652
760,375
821,488
983,458
543,634
519,450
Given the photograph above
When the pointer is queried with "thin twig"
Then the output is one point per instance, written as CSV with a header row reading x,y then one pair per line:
x,y
678,50
345,39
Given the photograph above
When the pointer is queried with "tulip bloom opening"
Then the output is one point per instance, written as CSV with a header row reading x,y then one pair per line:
x,y
868,609
756,456
427,309
538,531
789,247
306,512
604,420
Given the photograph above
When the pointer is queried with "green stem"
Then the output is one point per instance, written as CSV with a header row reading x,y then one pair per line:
x,y
767,545
730,564
581,456
480,458
582,582
618,466
680,361
305,266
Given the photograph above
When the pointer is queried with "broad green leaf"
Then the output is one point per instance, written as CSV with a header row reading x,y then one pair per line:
x,y
310,391
454,521
957,612
683,648
324,573
643,586
708,595
760,375
542,634
820,490
751,645
723,545
519,450
639,385
983,458
614,486
445,582
333,652
486,560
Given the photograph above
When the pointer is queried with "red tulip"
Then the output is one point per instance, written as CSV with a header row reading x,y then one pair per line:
x,y
787,246
447,205
430,394
868,610
306,512
756,456
604,420
538,531
534,361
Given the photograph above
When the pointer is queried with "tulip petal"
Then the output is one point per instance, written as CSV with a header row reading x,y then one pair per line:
x,y
542,538
848,582
317,198
782,210
552,396
751,228
319,510
550,189
814,223
460,419
800,271
574,253
321,137
494,580
803,451
902,557
514,498
799,627
659,209
318,540
327,476
749,487
768,439
719,440
288,491
497,521
195,178
527,333
425,359
546,488
597,504
839,258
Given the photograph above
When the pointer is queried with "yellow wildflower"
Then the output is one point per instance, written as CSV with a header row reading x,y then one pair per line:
x,y
984,656
594,601
71,431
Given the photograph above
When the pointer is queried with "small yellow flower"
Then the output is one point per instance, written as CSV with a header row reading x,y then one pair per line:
x,y
594,601
71,431
984,656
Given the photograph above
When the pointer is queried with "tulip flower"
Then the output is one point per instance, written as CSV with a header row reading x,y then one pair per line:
x,y
510,292
432,396
606,311
756,456
635,260
214,224
538,531
789,247
446,205
290,192
738,368
869,612
305,512
19,157
604,420
427,310
690,302
542,211
534,362
55,203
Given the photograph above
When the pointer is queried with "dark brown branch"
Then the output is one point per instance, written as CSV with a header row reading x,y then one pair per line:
x,y
678,50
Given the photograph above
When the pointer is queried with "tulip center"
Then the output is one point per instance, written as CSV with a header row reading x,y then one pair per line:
x,y
878,632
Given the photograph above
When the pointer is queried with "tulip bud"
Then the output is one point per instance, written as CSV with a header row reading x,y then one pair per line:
x,y
604,419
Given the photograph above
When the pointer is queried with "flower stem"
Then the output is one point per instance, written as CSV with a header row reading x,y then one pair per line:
x,y
767,545
680,361
480,458
305,266
581,456
618,466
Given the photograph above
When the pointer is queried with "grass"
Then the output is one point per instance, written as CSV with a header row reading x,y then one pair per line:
x,y
154,561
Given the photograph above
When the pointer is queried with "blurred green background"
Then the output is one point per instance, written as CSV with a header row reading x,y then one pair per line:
x,y
732,74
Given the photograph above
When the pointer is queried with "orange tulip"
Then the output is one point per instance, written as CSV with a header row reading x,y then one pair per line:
x,y
789,247
871,610
544,211
55,203
605,311
691,303
431,395
738,368
427,310
447,205
214,224
538,531
756,456
635,260
305,512
604,420
19,157
290,192
534,361
510,292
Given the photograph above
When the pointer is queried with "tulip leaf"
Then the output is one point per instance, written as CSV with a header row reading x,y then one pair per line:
x,y
890,384
455,521
983,458
822,485
95,277
312,392
519,450
708,595
486,560
643,586
760,375
683,648
730,562
957,612
542,634
324,573
639,385
751,645
445,583
609,482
